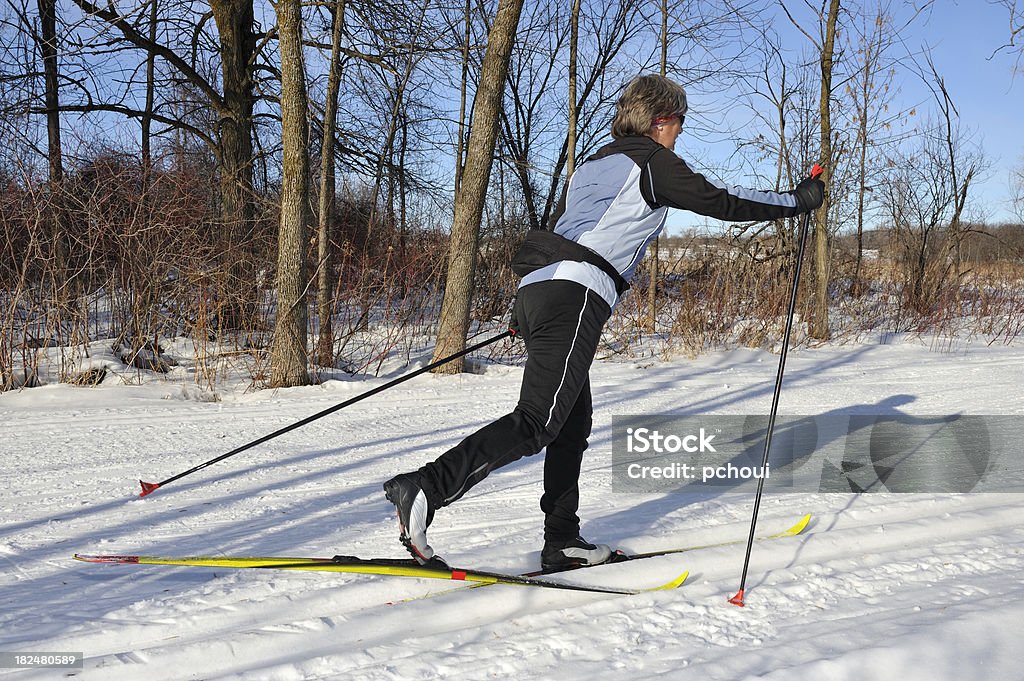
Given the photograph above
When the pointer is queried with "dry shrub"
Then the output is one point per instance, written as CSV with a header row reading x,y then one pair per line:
x,y
722,293
135,259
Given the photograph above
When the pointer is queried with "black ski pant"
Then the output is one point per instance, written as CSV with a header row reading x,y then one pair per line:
x,y
560,322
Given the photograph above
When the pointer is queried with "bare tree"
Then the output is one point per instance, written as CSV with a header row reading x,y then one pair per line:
x,y
819,326
288,352
61,283
238,48
927,193
51,97
574,42
777,100
397,93
960,167
871,89
535,136
454,321
325,205
460,146
149,110
532,77
824,43
233,139
654,255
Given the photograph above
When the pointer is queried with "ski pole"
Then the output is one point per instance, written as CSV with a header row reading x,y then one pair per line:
x,y
804,228
148,487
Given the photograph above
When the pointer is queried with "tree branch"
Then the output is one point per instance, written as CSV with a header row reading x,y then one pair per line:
x,y
144,43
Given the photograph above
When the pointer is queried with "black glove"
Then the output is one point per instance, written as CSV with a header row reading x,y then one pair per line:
x,y
513,322
810,194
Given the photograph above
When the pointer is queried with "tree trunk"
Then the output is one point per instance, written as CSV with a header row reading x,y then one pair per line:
x,y
325,278
857,286
469,204
48,47
819,326
870,51
288,352
234,20
574,38
147,118
654,255
403,194
59,267
463,84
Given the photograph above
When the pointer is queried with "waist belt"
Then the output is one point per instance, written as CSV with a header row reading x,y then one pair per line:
x,y
542,248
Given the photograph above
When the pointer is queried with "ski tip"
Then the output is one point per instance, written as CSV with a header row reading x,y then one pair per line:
x,y
148,487
738,599
674,584
106,559
800,526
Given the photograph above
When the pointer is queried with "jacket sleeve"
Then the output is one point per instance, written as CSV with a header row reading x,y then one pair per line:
x,y
669,181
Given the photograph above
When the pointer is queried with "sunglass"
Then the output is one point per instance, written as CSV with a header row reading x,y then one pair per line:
x,y
668,119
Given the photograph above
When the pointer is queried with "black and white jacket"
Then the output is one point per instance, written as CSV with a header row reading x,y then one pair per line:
x,y
617,201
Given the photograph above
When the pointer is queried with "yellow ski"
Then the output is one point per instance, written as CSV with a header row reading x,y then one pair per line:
x,y
791,532
370,566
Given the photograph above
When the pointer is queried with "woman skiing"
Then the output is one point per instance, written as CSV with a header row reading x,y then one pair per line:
x,y
572,276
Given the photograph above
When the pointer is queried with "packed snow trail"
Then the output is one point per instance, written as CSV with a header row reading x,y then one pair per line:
x,y
882,586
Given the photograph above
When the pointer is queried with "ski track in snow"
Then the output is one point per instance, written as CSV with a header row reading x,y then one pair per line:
x,y
881,586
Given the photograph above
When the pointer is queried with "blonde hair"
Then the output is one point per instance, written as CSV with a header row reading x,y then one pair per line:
x,y
644,99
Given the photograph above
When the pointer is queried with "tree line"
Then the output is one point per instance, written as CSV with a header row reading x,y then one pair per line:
x,y
288,174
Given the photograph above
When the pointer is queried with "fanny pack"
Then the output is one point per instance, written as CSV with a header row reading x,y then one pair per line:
x,y
542,248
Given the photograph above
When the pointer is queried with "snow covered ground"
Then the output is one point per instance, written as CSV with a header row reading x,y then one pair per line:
x,y
882,586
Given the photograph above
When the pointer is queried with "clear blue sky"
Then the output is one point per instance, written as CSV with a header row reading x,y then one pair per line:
x,y
964,37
